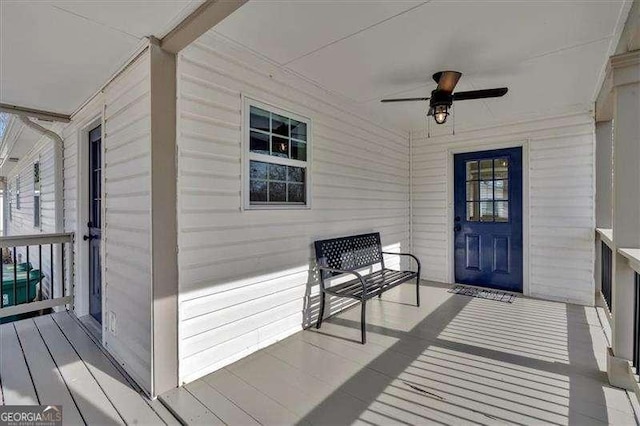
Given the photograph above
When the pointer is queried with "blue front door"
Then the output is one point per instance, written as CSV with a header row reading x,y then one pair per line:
x,y
94,232
488,218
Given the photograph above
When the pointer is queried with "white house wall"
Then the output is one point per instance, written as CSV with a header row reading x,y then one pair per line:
x,y
22,219
245,278
127,219
123,108
72,134
560,201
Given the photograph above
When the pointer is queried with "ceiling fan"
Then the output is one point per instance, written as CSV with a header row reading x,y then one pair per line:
x,y
442,97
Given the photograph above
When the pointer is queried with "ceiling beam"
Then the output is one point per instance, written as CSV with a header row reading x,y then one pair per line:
x,y
199,22
34,113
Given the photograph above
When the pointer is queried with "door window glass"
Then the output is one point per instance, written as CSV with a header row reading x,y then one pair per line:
x,y
487,190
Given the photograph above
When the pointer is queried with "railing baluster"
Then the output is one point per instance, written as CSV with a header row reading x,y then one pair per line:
x,y
41,284
607,270
636,325
15,277
28,278
51,264
62,280
2,283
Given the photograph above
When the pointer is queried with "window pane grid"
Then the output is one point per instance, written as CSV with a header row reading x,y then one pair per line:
x,y
273,183
278,136
277,158
487,190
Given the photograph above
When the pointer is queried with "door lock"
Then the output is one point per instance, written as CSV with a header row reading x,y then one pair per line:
x,y
457,227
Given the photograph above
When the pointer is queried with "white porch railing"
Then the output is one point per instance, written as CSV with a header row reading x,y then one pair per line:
x,y
604,265
618,270
36,273
633,258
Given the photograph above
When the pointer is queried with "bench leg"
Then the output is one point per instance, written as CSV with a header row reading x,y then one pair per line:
x,y
363,323
418,290
321,313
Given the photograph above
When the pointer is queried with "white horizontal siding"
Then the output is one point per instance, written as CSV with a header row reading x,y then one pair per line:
x,y
123,108
127,219
22,220
71,133
561,202
245,278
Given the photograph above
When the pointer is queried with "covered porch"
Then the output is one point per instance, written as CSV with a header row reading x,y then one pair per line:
x,y
173,201
456,360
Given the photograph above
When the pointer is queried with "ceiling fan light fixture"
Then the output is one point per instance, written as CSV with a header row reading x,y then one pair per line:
x,y
440,113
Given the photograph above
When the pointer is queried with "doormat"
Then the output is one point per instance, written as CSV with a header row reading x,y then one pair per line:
x,y
482,293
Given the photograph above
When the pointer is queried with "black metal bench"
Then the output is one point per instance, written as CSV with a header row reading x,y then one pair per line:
x,y
349,255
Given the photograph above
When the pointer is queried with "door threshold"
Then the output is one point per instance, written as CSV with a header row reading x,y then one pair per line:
x,y
92,326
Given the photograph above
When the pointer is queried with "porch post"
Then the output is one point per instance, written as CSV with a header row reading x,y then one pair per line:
x,y
625,74
604,142
604,210
164,240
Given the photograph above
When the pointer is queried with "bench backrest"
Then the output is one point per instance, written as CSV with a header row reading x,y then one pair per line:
x,y
349,253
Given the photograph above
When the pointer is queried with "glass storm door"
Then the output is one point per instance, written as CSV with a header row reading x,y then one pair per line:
x,y
488,218
94,226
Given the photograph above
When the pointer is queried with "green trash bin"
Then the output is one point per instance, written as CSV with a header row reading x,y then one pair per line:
x,y
23,275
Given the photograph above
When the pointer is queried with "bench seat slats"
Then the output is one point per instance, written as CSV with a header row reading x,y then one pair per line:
x,y
384,279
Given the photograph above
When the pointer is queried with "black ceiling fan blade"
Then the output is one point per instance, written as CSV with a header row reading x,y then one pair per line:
x,y
447,80
404,100
480,94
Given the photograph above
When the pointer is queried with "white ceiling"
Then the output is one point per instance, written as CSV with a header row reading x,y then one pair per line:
x,y
549,53
56,54
19,141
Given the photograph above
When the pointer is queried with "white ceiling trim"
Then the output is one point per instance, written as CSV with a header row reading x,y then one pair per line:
x,y
615,39
142,47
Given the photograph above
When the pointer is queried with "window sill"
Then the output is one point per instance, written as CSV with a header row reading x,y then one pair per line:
x,y
275,207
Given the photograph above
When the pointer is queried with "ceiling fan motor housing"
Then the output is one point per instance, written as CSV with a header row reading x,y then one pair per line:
x,y
439,97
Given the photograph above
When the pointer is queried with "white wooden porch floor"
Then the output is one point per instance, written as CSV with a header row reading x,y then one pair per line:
x,y
51,360
455,360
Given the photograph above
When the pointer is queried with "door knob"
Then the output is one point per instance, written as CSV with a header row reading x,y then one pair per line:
x,y
457,227
88,237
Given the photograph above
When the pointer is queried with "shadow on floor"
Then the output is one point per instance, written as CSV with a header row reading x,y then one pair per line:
x,y
480,361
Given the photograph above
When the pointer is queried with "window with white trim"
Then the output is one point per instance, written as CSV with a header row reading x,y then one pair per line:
x,y
277,150
18,192
10,199
36,195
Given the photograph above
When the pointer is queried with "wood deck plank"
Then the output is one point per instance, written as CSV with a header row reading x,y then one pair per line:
x,y
164,413
297,390
51,388
184,405
17,387
258,405
226,410
132,406
90,398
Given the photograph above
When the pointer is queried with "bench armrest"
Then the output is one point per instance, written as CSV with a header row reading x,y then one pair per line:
x,y
405,254
344,271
